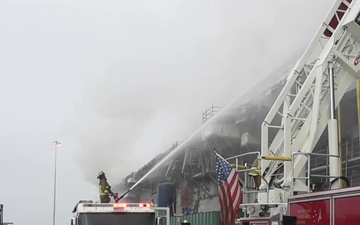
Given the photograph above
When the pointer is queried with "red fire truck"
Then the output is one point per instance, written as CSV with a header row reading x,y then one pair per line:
x,y
338,207
89,213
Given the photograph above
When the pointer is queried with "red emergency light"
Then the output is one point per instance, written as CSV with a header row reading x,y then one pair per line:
x,y
144,205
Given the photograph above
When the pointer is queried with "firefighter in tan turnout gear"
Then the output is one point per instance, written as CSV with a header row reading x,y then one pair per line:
x,y
255,173
104,188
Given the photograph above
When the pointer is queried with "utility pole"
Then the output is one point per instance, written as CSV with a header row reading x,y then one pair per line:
x,y
56,145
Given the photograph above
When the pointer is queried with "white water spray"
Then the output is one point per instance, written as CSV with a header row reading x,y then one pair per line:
x,y
196,132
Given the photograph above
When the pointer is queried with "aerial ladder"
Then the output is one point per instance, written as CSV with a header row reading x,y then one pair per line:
x,y
304,109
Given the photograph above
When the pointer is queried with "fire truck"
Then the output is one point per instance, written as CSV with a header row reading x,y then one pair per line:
x,y
90,213
305,110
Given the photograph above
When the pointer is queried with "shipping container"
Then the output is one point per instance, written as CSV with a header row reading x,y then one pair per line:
x,y
204,218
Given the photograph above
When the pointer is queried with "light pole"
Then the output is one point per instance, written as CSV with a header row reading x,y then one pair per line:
x,y
56,145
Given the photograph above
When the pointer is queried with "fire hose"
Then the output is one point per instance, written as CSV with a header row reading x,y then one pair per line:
x,y
116,196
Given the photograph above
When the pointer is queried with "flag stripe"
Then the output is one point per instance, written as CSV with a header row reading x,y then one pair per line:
x,y
236,196
230,194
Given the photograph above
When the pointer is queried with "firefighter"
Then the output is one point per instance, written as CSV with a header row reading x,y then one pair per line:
x,y
104,188
255,173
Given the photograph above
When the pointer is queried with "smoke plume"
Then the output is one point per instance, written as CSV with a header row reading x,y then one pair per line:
x,y
161,63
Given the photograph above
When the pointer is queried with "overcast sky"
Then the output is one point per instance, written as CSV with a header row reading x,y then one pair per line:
x,y
118,82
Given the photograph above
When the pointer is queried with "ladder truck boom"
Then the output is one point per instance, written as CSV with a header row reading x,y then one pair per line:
x,y
304,109
304,102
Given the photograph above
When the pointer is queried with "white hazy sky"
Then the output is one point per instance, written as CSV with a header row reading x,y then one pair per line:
x,y
118,82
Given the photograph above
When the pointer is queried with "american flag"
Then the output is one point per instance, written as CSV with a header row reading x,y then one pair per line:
x,y
230,194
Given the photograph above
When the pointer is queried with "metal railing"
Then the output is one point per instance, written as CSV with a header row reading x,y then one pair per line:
x,y
246,189
309,175
208,113
350,158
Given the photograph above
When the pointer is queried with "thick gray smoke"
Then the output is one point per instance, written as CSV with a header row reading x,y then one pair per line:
x,y
161,63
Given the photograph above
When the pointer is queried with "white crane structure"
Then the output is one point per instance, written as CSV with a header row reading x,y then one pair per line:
x,y
305,108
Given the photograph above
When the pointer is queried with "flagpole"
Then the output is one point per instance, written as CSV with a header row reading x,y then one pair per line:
x,y
218,154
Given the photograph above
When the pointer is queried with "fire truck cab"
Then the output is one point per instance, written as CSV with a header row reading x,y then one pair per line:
x,y
89,213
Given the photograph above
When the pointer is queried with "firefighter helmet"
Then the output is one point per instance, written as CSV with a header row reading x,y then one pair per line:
x,y
101,173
